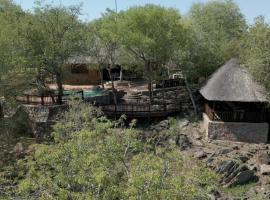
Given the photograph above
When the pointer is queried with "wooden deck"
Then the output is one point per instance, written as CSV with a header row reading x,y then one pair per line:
x,y
141,110
236,116
45,99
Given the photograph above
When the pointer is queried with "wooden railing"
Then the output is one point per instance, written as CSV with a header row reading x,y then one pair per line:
x,y
141,110
236,116
45,99
170,83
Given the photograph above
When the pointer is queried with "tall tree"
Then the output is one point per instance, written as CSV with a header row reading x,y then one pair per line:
x,y
104,41
216,30
13,74
52,35
151,34
257,51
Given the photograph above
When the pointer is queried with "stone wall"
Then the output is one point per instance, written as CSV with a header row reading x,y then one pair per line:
x,y
236,131
42,118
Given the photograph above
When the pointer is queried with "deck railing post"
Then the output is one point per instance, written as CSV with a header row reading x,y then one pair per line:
x,y
27,98
82,93
42,100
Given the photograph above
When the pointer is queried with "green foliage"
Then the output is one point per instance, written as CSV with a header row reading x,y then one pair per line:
x,y
79,116
100,161
52,35
257,51
216,31
151,32
13,75
106,38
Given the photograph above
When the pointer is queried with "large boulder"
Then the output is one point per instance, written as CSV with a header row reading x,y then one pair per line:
x,y
263,158
163,125
265,169
183,142
225,166
242,178
234,173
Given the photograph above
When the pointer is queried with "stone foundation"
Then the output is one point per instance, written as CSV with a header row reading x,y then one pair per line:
x,y
42,118
236,131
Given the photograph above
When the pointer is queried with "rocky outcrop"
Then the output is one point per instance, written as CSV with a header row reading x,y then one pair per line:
x,y
236,163
38,119
163,125
183,142
233,173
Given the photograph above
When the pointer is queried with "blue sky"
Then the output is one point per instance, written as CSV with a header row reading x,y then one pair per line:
x,y
93,8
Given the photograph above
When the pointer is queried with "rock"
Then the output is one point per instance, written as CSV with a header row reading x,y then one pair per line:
x,y
209,160
18,148
225,166
243,158
172,140
200,155
265,169
236,169
163,125
242,178
198,137
183,142
183,123
235,147
263,158
223,151
253,168
253,151
265,180
198,143
214,195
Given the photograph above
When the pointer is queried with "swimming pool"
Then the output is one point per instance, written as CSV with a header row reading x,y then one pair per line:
x,y
86,93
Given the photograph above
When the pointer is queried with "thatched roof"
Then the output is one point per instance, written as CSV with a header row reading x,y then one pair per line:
x,y
233,83
80,60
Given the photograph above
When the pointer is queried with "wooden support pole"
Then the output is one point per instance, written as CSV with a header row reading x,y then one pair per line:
x,y
27,98
191,97
42,100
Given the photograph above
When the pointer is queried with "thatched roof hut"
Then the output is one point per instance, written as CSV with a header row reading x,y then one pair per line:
x,y
232,83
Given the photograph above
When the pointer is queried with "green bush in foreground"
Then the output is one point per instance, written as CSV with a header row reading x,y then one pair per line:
x,y
104,162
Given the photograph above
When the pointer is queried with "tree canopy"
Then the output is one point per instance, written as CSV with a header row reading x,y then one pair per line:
x,y
97,159
151,34
13,76
257,51
217,28
52,35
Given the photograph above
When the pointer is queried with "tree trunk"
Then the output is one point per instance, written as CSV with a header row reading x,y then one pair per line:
x,y
121,74
101,76
113,90
191,97
149,71
110,74
59,82
1,112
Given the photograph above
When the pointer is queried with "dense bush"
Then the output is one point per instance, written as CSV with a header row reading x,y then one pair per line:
x,y
100,161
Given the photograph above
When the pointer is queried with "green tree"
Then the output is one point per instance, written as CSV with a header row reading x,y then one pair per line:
x,y
216,31
257,51
104,41
97,159
53,35
151,34
14,75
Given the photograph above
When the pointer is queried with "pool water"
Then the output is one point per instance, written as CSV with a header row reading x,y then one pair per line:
x,y
86,93
91,93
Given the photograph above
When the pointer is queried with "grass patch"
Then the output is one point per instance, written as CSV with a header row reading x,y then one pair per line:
x,y
239,191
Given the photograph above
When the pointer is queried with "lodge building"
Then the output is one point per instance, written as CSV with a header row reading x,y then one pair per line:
x,y
235,106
